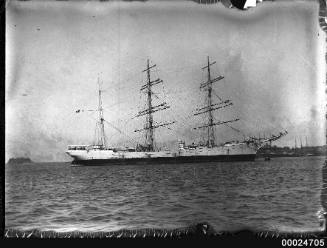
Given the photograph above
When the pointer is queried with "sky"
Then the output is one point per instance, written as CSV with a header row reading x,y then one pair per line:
x,y
272,58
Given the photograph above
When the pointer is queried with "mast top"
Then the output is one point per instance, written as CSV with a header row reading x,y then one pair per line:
x,y
148,66
209,64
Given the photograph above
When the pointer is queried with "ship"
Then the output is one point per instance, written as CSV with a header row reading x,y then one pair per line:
x,y
100,153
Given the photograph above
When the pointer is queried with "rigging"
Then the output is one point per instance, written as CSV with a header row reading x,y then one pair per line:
x,y
148,112
210,107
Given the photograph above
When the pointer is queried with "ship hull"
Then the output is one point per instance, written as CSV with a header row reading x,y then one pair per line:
x,y
167,160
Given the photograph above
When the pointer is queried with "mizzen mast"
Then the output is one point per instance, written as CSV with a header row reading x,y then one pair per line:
x,y
210,107
102,137
150,125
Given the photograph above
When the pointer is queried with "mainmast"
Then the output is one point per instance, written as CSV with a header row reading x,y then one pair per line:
x,y
149,132
150,126
211,133
211,106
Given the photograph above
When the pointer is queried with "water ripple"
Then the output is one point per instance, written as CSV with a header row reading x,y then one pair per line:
x,y
282,193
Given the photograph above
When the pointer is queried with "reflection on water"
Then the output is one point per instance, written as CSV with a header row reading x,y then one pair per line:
x,y
282,194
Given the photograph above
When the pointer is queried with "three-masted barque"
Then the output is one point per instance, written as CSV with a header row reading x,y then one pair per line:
x,y
209,151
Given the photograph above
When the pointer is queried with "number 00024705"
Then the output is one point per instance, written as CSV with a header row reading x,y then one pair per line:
x,y
303,242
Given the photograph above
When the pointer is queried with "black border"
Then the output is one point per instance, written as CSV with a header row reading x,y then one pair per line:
x,y
2,113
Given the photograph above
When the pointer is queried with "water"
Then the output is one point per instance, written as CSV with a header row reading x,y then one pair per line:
x,y
282,194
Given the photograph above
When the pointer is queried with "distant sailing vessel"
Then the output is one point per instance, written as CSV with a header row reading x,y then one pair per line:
x,y
101,153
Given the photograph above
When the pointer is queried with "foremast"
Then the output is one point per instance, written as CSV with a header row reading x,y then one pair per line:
x,y
210,107
148,112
